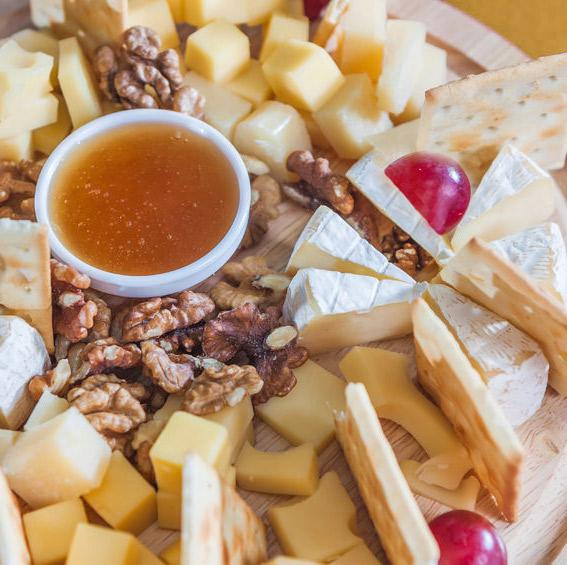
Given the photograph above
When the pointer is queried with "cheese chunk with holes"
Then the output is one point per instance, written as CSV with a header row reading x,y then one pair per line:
x,y
280,28
185,433
50,530
349,118
251,84
65,446
7,439
333,310
13,547
292,472
32,114
169,510
77,83
94,545
219,51
359,555
40,42
305,415
318,527
48,406
172,554
302,74
47,138
271,133
224,110
17,147
395,397
155,14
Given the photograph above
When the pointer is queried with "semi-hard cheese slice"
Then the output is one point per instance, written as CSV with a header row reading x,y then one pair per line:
x,y
493,281
514,194
402,528
333,310
328,242
446,373
511,363
13,547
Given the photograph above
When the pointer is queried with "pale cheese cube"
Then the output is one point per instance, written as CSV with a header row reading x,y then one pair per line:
x,y
168,510
47,138
351,116
219,51
315,133
94,545
251,84
17,147
155,14
201,12
40,42
31,114
403,59
302,74
280,29
48,406
65,447
260,11
271,133
7,439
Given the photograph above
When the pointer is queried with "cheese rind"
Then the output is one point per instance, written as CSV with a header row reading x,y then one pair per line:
x,y
48,406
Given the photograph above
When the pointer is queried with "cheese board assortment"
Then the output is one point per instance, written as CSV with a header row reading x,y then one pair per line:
x,y
273,291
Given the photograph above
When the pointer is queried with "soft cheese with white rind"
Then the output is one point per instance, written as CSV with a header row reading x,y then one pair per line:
x,y
513,195
511,363
328,242
334,310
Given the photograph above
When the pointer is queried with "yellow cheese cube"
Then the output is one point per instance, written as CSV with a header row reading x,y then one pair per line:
x,y
177,8
251,84
65,446
260,11
48,406
202,12
305,415
172,554
94,545
271,133
302,74
294,8
185,433
219,51
31,114
47,138
351,116
124,499
317,527
168,510
77,83
293,472
7,439
155,14
280,29
146,557
317,137
40,42
230,476
50,530
17,147
223,109
359,555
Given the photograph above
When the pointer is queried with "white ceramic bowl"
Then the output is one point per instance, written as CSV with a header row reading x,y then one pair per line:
x,y
164,283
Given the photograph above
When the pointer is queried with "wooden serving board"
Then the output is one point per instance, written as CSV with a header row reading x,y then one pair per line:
x,y
541,532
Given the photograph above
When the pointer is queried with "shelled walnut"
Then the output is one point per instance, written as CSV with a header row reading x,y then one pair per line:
x,y
172,372
17,189
54,381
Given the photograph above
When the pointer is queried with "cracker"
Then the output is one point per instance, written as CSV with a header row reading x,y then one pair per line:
x,y
13,547
446,373
41,320
472,118
396,516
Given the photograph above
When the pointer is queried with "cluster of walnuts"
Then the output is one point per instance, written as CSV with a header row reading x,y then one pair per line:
x,y
17,188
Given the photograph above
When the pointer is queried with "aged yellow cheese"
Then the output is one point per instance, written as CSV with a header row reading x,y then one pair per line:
x,y
172,554
351,116
359,555
302,74
7,439
48,406
271,133
40,42
294,8
17,147
155,14
13,547
202,12
185,433
315,133
305,415
47,138
31,114
260,11
251,84
294,471
280,28
77,83
169,510
177,8
145,556
318,527
50,530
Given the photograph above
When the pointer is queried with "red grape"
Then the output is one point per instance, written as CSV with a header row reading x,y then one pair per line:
x,y
313,8
437,186
467,538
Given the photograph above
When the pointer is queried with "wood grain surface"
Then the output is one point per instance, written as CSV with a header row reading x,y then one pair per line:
x,y
541,532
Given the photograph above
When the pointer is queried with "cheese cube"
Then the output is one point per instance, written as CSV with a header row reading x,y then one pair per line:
x,y
359,555
17,147
251,84
7,439
317,527
223,109
185,433
50,530
31,114
403,59
219,51
280,28
40,42
156,15
271,133
47,407
168,510
201,12
146,557
351,116
305,415
302,74
177,8
293,472
294,8
260,11
77,83
172,554
124,499
47,138
317,137
66,446
94,545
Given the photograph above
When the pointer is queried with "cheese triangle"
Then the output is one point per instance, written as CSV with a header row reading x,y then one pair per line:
x,y
13,548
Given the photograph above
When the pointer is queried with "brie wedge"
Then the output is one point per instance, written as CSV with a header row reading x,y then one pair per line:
x,y
333,310
511,364
328,242
514,194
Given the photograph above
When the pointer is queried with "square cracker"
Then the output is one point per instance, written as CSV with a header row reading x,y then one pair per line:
x,y
472,118
446,373
480,273
13,547
403,531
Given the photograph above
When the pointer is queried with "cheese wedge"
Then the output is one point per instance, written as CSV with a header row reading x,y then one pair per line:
x,y
333,310
491,280
395,142
328,242
447,375
511,363
403,531
514,194
13,547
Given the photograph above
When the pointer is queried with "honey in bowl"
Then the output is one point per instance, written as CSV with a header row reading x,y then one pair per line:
x,y
143,199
